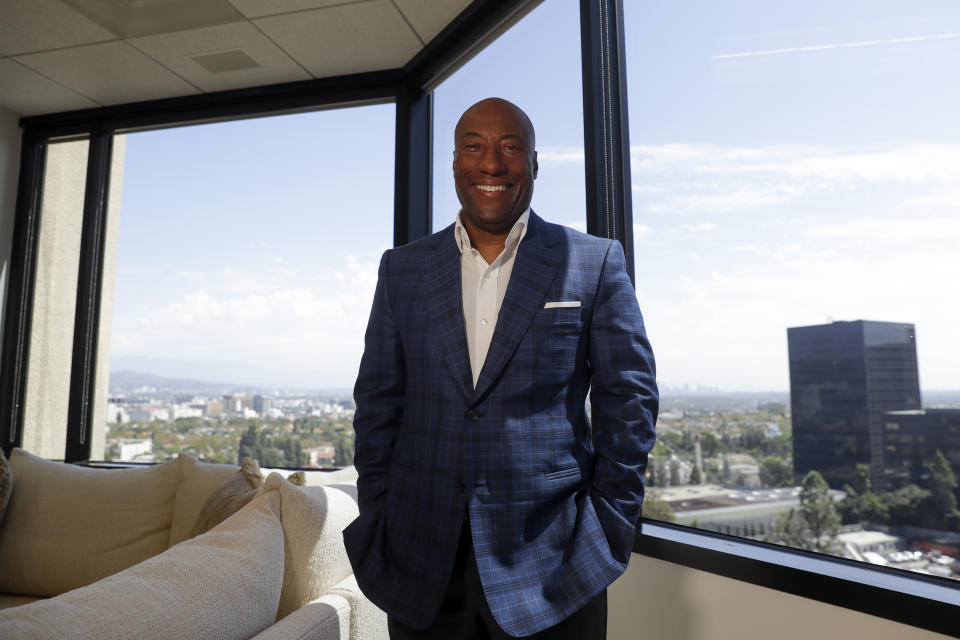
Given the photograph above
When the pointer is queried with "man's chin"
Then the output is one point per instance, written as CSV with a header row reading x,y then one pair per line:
x,y
492,221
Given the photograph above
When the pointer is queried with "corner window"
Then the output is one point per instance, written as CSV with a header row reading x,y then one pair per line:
x,y
240,268
795,199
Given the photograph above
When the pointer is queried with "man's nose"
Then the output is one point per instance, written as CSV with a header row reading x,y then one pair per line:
x,y
492,161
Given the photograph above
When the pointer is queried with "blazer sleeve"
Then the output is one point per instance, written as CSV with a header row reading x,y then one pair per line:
x,y
378,394
624,401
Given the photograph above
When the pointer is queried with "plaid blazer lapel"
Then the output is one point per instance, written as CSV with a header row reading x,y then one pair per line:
x,y
534,270
443,280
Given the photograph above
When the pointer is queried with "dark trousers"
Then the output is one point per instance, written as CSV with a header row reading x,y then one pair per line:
x,y
464,614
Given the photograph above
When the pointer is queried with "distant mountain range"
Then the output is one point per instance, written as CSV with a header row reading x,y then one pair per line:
x,y
208,376
131,380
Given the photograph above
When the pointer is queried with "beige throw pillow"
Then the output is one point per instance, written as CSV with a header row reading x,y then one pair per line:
x,y
222,585
314,556
235,492
197,481
231,496
67,526
6,485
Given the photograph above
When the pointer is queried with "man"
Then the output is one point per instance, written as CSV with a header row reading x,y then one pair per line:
x,y
489,508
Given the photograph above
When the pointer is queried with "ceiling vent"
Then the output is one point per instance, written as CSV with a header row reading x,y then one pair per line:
x,y
134,18
224,61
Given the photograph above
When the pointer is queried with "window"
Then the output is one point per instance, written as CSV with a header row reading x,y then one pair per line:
x,y
795,200
535,65
240,267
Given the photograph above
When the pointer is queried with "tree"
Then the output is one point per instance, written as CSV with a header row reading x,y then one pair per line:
x,y
726,469
652,474
790,530
709,444
775,472
861,505
674,473
943,487
818,511
906,504
695,475
861,482
342,449
249,444
657,509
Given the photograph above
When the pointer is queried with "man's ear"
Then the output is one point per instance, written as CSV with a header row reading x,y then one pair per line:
x,y
536,167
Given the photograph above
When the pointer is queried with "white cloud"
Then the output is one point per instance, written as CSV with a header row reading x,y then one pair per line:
x,y
560,155
839,45
724,201
919,163
703,227
879,230
292,325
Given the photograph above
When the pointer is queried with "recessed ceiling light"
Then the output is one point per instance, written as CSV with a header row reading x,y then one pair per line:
x,y
223,61
133,18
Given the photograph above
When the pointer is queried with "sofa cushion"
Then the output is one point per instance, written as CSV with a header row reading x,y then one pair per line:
x,y
6,485
197,481
320,477
7,601
223,584
228,498
313,521
68,526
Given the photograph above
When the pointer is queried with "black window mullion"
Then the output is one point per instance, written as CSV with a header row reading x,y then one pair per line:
x,y
413,185
83,370
20,289
605,131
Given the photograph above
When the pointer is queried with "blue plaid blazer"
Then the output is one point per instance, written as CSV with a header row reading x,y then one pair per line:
x,y
554,504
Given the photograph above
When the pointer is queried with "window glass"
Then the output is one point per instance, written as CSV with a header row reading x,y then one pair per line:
x,y
243,268
535,65
795,189
54,299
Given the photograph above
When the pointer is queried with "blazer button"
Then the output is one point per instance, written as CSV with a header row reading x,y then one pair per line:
x,y
472,415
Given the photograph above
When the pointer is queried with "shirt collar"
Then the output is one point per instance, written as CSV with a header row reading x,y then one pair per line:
x,y
517,232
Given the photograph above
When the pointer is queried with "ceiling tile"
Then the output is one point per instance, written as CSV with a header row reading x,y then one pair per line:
x,y
175,51
28,93
429,17
259,8
352,38
110,73
38,25
136,18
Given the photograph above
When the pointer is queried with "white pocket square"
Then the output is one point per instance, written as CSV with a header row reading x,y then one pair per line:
x,y
555,305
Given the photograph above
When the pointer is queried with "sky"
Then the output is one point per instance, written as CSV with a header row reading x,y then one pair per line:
x,y
792,163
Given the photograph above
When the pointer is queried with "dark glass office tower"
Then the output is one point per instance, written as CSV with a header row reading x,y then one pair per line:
x,y
843,377
912,438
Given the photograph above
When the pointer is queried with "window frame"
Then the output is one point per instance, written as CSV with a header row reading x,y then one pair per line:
x,y
921,602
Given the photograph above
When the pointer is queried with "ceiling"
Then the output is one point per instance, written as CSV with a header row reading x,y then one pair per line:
x,y
60,55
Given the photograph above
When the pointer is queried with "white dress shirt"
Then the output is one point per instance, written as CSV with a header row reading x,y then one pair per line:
x,y
483,286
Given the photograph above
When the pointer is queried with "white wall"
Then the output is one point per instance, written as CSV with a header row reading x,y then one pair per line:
x,y
9,170
656,599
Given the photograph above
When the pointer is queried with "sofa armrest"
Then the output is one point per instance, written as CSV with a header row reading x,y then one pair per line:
x,y
326,618
367,620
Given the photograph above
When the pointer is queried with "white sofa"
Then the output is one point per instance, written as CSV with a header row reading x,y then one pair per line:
x,y
96,553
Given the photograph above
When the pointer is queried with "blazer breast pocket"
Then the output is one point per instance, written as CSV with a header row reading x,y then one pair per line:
x,y
562,315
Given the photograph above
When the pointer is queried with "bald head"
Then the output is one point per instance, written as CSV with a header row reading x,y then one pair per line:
x,y
501,110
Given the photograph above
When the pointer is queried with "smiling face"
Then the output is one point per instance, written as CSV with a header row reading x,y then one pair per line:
x,y
494,165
